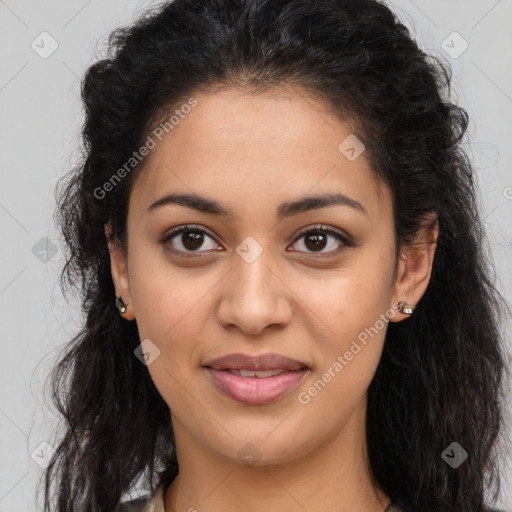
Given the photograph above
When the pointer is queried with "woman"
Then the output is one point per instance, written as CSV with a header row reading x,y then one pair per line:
x,y
287,297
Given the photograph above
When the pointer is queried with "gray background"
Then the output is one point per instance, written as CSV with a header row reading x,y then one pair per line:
x,y
40,125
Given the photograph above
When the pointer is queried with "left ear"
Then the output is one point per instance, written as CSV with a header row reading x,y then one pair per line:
x,y
415,266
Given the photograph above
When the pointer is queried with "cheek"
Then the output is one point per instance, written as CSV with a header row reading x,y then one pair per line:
x,y
166,298
348,344
347,315
171,311
346,301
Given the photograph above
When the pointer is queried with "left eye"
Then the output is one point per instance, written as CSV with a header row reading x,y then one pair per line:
x,y
315,239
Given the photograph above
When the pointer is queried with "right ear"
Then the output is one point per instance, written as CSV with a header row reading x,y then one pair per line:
x,y
119,271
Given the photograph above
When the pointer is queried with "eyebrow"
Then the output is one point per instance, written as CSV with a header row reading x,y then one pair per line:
x,y
286,209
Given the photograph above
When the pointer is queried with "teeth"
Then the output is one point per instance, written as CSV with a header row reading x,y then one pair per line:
x,y
260,374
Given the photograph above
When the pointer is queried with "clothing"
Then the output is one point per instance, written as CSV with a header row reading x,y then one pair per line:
x,y
146,503
156,504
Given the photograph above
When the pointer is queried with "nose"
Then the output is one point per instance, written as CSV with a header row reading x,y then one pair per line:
x,y
254,297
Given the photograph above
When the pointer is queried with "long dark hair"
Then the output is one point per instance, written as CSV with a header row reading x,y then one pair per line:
x,y
441,375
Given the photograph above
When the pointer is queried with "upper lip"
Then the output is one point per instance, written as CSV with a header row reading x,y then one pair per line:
x,y
270,361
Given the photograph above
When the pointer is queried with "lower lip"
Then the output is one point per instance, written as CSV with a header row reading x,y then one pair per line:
x,y
253,390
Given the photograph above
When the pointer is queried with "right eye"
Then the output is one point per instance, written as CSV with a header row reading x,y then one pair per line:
x,y
191,239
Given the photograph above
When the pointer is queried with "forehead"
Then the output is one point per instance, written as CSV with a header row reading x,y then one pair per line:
x,y
243,147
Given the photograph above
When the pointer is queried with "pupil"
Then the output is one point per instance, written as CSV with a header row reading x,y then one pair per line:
x,y
315,238
192,239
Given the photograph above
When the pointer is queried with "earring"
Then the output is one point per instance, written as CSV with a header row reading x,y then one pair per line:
x,y
403,307
121,306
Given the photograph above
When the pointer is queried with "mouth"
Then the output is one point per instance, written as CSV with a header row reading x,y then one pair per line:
x,y
256,379
260,374
262,362
256,387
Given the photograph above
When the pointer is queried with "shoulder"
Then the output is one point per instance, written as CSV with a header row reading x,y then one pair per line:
x,y
136,505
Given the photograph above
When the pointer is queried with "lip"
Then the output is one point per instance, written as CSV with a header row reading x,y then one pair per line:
x,y
256,390
268,361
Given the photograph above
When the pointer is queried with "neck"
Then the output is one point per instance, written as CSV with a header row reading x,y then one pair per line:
x,y
331,475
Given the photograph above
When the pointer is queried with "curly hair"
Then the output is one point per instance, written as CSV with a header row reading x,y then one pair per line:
x,y
441,375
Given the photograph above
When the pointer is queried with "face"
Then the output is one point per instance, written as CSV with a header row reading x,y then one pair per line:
x,y
249,281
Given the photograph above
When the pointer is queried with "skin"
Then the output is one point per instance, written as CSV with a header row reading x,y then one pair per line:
x,y
250,153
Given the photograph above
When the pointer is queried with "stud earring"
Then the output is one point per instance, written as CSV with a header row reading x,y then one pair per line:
x,y
403,307
121,306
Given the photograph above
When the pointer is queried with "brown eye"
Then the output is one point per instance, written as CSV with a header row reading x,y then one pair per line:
x,y
188,239
192,240
315,241
318,238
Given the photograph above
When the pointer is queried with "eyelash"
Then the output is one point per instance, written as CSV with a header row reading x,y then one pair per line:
x,y
319,228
